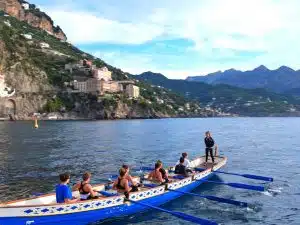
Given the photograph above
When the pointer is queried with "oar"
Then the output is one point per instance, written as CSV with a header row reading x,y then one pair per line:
x,y
180,215
237,185
214,198
249,176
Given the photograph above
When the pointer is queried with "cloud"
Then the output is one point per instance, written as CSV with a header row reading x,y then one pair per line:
x,y
214,34
82,27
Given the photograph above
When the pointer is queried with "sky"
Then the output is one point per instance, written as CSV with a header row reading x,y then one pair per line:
x,y
182,38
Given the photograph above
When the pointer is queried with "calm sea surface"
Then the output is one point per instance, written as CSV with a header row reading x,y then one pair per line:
x,y
31,159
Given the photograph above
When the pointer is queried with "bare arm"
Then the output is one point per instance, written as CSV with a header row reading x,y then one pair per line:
x,y
114,187
76,187
159,177
91,191
131,180
150,176
126,186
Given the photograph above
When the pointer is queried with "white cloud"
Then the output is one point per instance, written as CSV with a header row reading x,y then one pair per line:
x,y
269,26
82,27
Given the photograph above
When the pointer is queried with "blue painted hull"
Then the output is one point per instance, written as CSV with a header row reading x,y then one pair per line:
x,y
101,214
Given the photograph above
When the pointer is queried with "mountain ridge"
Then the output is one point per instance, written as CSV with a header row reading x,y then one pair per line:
x,y
245,102
280,80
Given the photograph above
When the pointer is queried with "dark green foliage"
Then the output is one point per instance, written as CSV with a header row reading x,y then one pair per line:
x,y
54,105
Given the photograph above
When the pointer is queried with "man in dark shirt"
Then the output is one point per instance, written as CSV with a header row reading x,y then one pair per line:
x,y
181,169
209,143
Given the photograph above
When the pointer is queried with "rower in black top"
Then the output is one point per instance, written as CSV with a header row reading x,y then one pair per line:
x,y
209,143
181,168
85,188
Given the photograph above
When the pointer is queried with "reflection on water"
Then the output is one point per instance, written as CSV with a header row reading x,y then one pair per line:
x,y
31,159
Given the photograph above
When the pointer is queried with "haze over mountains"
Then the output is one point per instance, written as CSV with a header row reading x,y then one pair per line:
x,y
282,80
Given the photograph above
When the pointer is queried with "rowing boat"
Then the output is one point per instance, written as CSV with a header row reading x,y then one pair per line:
x,y
44,209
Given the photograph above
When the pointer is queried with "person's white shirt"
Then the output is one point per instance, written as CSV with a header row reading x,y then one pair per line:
x,y
186,163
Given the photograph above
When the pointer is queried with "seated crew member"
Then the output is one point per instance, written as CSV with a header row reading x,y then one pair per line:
x,y
187,162
122,184
164,173
63,191
157,175
134,184
181,168
85,188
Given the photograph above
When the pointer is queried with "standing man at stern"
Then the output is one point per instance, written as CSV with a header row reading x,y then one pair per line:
x,y
209,144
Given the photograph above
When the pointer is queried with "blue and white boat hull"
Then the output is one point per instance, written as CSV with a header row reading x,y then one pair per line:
x,y
23,213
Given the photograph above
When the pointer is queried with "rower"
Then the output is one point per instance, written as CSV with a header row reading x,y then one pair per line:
x,y
63,192
85,188
181,168
186,162
134,184
159,174
122,184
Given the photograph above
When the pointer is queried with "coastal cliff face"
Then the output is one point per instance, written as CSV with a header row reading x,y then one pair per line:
x,y
32,16
33,77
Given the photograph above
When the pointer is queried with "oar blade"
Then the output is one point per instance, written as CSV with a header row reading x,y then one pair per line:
x,y
255,177
214,198
193,219
180,215
249,176
226,200
246,186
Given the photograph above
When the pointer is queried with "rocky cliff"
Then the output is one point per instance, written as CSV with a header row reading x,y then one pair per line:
x,y
32,80
24,11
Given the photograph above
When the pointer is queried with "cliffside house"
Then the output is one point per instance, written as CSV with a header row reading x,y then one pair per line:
x,y
28,36
101,81
132,91
44,45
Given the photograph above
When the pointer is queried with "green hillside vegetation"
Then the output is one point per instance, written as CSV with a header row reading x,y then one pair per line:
x,y
231,99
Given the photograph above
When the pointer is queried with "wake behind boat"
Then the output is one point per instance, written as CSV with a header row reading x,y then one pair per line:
x,y
44,209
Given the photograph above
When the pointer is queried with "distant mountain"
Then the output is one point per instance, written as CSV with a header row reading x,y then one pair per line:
x,y
281,80
247,102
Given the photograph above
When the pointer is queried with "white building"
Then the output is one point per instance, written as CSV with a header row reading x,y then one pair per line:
x,y
7,23
27,36
160,101
25,6
44,45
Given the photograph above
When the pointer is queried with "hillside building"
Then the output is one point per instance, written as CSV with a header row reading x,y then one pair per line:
x,y
100,82
132,91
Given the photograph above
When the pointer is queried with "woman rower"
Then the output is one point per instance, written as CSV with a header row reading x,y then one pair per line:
x,y
134,184
85,188
122,183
